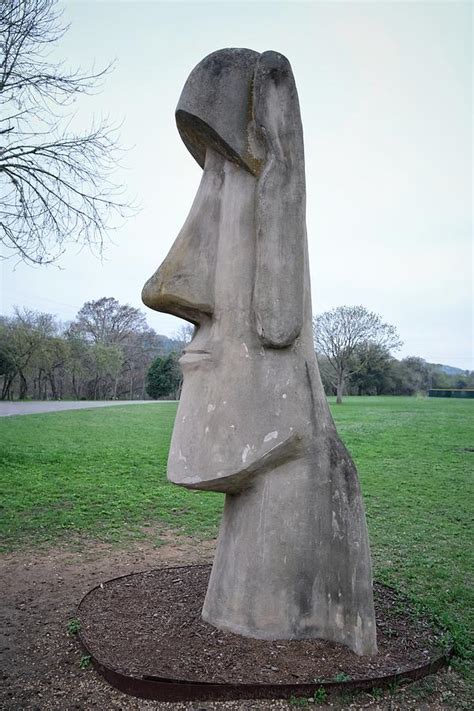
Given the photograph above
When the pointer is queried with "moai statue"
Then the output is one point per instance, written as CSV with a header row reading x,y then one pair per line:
x,y
293,558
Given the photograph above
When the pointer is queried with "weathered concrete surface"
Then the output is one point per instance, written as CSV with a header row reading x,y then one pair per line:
x,y
33,408
253,422
209,111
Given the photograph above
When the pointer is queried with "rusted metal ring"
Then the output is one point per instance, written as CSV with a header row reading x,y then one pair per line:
x,y
175,689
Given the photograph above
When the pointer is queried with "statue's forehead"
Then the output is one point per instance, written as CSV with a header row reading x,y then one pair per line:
x,y
215,106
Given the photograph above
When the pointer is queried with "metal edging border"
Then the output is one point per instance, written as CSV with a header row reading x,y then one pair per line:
x,y
175,689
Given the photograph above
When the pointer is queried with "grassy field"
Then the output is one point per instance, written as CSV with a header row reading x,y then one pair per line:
x,y
100,474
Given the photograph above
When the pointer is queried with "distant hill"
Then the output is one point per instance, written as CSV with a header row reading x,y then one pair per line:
x,y
166,345
448,369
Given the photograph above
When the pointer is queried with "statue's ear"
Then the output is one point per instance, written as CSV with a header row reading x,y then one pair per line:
x,y
280,208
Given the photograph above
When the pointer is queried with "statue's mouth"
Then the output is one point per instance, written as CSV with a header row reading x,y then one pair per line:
x,y
193,356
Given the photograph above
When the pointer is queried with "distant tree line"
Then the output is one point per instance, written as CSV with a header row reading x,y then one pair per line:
x,y
109,351
104,353
381,374
354,345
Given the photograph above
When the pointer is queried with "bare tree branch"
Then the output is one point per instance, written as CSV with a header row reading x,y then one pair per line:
x,y
55,184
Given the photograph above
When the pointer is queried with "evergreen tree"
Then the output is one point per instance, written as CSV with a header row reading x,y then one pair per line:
x,y
164,377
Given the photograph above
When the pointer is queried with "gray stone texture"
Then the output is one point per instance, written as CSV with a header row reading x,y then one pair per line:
x,y
293,557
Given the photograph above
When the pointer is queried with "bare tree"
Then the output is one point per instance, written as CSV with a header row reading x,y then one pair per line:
x,y
183,336
55,184
108,322
25,334
139,349
342,333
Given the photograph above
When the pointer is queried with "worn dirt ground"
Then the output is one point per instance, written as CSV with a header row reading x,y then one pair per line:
x,y
40,662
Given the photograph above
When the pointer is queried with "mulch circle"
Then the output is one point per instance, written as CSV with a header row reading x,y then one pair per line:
x,y
145,635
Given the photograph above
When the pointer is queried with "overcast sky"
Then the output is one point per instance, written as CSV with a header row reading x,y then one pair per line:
x,y
386,98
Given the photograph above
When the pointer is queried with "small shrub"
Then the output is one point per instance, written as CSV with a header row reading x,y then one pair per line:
x,y
73,627
342,676
85,661
320,695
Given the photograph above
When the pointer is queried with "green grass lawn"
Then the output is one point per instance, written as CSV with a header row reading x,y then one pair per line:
x,y
101,474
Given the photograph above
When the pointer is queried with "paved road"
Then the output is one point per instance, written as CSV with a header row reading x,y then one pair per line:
x,y
32,408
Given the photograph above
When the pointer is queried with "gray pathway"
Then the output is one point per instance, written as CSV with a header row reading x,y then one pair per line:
x,y
32,408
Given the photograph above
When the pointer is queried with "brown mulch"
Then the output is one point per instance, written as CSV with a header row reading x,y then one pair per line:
x,y
40,662
150,625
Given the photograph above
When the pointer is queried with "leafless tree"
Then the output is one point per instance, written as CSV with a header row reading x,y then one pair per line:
x,y
108,322
183,336
341,333
24,336
55,184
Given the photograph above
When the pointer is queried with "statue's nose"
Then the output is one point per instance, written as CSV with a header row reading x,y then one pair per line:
x,y
184,284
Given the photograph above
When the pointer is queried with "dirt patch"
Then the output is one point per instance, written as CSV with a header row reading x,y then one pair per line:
x,y
40,594
40,662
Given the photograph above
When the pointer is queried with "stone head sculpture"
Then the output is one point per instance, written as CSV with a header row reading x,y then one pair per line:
x,y
293,558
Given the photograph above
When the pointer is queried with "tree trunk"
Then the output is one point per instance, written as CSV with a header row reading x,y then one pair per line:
x,y
7,383
74,388
36,385
54,392
340,387
23,386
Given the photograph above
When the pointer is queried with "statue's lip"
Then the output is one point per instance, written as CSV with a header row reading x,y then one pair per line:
x,y
196,355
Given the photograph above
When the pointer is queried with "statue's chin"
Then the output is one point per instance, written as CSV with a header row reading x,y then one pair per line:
x,y
231,481
243,410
